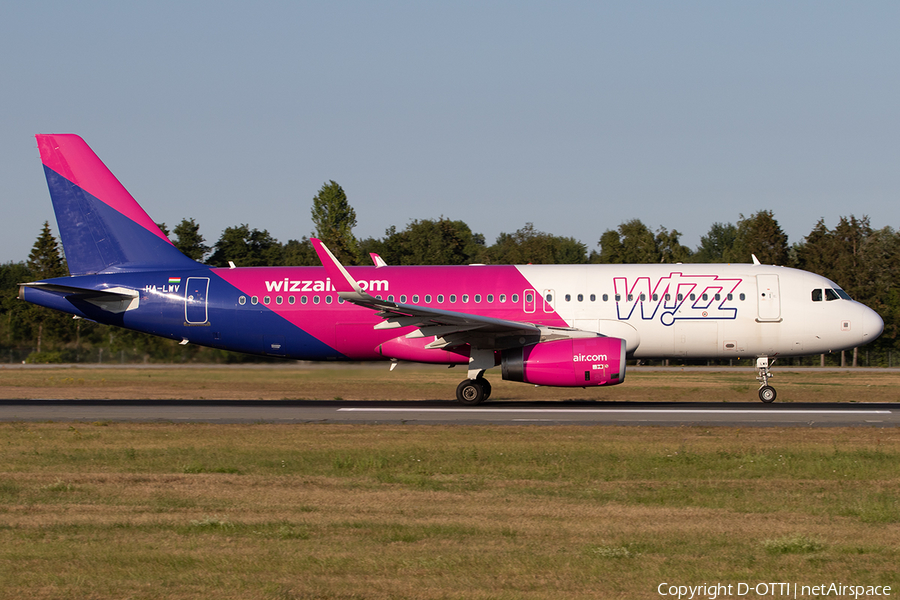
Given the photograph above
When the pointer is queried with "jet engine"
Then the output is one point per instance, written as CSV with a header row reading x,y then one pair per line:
x,y
576,362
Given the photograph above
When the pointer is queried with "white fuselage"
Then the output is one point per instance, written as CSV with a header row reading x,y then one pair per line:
x,y
708,311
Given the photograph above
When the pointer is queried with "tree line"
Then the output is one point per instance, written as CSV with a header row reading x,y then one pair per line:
x,y
861,259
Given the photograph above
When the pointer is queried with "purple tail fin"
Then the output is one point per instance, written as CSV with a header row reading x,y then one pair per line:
x,y
101,225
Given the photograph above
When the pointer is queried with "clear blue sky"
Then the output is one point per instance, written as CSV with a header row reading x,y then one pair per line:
x,y
575,116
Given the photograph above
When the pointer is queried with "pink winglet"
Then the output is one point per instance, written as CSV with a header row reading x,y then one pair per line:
x,y
340,278
72,158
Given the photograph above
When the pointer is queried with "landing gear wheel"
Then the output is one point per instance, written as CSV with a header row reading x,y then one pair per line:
x,y
471,392
767,394
487,388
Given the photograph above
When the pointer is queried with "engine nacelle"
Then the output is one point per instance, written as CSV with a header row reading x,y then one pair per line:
x,y
577,362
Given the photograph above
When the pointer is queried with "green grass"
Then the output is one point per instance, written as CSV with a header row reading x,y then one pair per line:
x,y
375,382
339,511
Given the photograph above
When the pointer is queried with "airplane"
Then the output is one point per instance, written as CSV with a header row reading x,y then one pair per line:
x,y
547,325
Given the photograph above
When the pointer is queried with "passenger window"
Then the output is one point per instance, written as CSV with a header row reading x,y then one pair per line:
x,y
742,297
655,297
668,297
490,298
515,298
291,300
606,297
465,297
254,300
593,297
403,299
643,297
549,297
581,297
391,298
618,297
502,297
693,297
680,297
452,297
568,297
705,297
242,300
729,297
328,299
817,295
315,299
529,298
427,298
279,300
440,298
718,297
631,297
415,298
267,299
303,299
477,297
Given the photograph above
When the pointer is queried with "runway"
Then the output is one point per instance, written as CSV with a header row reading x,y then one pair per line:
x,y
751,414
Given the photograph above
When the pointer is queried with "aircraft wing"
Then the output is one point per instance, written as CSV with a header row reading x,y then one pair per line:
x,y
450,328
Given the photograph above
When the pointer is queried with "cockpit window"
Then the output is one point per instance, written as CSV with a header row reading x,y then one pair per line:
x,y
830,294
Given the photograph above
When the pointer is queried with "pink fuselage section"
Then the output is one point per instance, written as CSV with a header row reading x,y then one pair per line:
x,y
306,298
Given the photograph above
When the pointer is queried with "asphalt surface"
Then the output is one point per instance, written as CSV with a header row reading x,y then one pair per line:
x,y
751,414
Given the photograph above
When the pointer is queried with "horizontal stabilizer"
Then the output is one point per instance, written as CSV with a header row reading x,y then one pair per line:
x,y
114,300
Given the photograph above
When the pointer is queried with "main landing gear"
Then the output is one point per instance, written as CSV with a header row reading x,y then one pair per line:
x,y
766,392
476,389
473,391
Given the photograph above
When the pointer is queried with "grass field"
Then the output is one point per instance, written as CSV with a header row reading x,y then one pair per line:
x,y
410,382
114,510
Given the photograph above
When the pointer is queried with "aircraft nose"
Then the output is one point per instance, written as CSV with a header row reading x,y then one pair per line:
x,y
873,325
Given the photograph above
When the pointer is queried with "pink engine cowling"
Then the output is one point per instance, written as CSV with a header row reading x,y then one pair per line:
x,y
578,362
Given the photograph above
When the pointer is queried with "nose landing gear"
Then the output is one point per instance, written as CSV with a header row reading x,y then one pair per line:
x,y
766,392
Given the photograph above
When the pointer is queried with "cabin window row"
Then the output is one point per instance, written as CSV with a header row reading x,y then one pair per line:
x,y
254,300
501,298
643,297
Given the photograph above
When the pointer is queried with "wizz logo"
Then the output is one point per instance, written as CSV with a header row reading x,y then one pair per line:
x,y
676,297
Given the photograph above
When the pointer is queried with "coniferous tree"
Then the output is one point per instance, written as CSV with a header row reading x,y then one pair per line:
x,y
45,260
189,240
761,235
334,220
